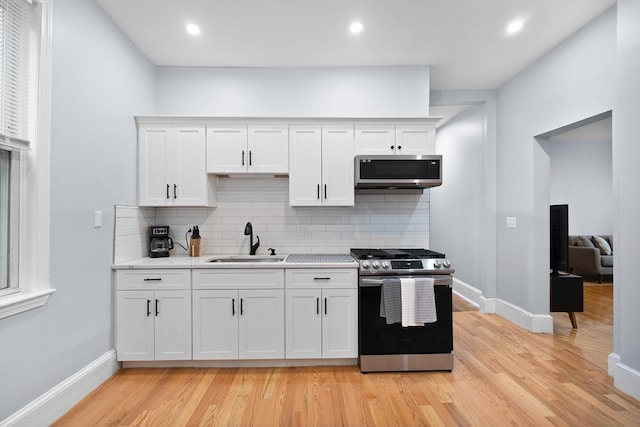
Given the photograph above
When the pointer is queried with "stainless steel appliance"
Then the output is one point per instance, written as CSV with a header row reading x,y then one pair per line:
x,y
159,241
404,172
392,347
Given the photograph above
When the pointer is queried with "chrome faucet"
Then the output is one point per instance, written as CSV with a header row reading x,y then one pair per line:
x,y
248,231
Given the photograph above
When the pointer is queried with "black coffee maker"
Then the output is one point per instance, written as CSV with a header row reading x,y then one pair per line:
x,y
159,241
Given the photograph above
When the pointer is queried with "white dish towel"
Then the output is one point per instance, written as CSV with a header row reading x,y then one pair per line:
x,y
425,300
418,301
408,298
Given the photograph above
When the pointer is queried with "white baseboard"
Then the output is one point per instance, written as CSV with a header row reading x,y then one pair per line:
x,y
537,323
467,292
625,378
56,402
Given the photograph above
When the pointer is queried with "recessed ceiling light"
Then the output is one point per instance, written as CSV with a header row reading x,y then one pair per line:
x,y
515,26
193,29
356,27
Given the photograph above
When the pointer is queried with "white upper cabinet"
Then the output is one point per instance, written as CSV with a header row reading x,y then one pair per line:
x,y
321,170
415,139
395,139
233,149
171,166
375,139
227,150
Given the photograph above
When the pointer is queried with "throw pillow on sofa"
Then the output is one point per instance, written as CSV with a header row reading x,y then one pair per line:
x,y
602,244
584,241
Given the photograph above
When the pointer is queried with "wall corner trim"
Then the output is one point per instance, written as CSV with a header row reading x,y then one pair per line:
x,y
56,402
625,378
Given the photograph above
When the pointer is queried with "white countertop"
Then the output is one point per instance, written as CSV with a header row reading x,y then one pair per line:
x,y
301,261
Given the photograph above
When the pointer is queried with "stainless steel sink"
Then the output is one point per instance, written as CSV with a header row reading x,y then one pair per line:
x,y
248,259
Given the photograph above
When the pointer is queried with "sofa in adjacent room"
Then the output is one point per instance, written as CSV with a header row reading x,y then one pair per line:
x,y
591,255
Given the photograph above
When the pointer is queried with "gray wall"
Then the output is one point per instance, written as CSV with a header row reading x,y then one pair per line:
x,y
456,206
626,184
566,85
401,91
99,81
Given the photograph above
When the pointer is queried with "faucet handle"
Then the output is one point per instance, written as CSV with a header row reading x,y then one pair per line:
x,y
273,251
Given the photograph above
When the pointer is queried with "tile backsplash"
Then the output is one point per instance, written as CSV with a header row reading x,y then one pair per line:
x,y
376,220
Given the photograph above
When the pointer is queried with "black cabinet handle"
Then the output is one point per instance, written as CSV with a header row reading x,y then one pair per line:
x,y
175,191
392,147
158,307
325,191
167,191
241,306
322,278
242,157
325,306
318,191
317,305
233,306
399,147
148,307
249,157
153,279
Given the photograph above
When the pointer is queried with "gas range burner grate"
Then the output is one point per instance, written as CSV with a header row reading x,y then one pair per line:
x,y
395,254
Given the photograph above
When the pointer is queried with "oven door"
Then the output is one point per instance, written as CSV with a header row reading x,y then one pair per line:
x,y
378,338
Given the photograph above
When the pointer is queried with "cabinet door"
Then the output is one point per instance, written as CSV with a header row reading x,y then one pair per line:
x,y
305,174
215,324
375,139
261,324
134,325
268,149
337,166
415,139
172,325
339,323
154,149
303,324
227,150
189,186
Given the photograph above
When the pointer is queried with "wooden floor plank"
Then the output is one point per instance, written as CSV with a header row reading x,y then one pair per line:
x,y
503,375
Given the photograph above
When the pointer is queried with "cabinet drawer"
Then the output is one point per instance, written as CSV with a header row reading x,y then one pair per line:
x,y
321,278
153,279
240,278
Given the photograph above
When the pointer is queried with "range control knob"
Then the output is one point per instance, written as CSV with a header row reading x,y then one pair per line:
x,y
385,265
376,264
446,263
436,264
365,264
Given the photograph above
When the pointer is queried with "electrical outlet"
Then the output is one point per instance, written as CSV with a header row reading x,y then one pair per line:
x,y
303,231
511,222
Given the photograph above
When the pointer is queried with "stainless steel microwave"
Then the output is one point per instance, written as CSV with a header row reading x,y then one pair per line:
x,y
409,172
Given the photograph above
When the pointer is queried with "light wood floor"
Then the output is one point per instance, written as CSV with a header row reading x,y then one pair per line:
x,y
503,375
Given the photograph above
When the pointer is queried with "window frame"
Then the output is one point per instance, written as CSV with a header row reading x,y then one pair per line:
x,y
34,287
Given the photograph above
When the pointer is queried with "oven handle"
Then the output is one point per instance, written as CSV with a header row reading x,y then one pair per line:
x,y
437,281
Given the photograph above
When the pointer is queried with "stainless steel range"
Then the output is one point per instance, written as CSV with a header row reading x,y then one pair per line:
x,y
385,346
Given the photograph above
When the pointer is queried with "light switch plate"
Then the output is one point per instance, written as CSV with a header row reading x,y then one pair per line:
x,y
97,219
511,222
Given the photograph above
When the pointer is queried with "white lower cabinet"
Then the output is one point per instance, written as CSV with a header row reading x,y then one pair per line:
x,y
238,314
153,323
321,313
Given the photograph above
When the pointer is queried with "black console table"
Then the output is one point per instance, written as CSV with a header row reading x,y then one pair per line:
x,y
566,294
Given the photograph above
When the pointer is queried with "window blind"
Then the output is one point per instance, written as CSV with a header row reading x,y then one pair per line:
x,y
15,25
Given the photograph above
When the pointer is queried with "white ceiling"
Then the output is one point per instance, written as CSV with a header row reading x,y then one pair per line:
x,y
464,41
